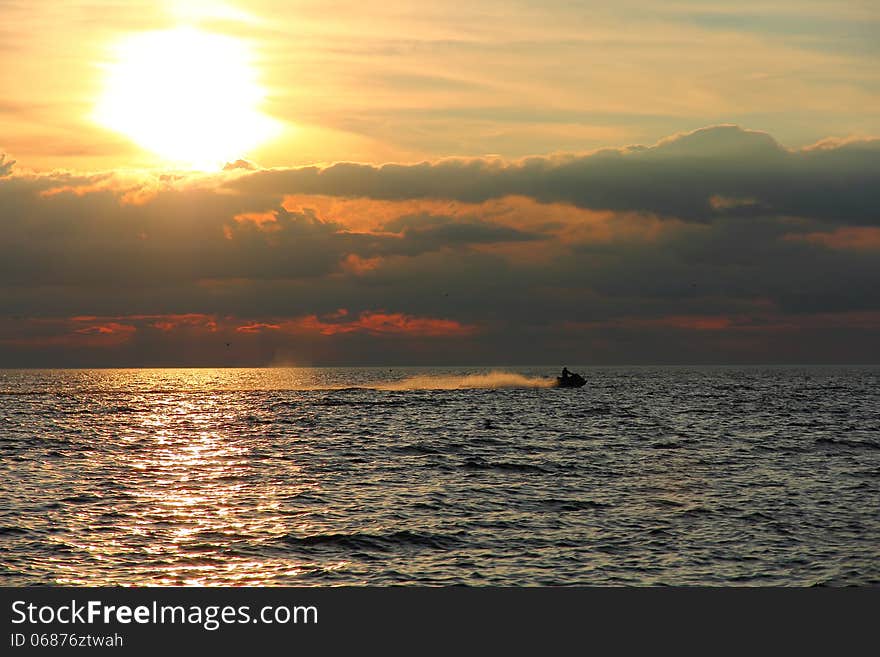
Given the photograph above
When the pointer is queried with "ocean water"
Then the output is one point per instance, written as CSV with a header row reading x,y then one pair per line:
x,y
646,476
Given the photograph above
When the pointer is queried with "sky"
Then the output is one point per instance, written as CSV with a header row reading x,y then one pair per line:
x,y
328,183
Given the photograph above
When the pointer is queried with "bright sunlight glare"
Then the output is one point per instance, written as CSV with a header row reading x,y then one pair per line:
x,y
188,96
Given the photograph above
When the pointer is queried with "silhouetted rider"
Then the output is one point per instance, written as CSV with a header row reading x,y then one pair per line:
x,y
565,373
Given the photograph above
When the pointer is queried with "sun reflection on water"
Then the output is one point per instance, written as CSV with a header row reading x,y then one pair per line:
x,y
187,500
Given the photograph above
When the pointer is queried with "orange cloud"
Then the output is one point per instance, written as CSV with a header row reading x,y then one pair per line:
x,y
113,328
129,188
719,202
263,220
857,238
257,327
518,212
78,332
373,323
172,322
760,322
166,323
684,322
97,330
354,264
76,190
564,223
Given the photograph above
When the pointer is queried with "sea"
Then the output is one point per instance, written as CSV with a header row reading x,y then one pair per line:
x,y
720,476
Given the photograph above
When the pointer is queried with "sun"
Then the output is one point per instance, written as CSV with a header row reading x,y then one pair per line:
x,y
188,96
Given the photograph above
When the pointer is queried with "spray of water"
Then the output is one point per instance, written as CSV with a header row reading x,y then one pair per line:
x,y
469,381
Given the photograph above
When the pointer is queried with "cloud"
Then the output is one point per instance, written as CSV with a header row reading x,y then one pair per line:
x,y
130,335
5,165
682,176
757,323
257,327
240,164
857,238
374,323
709,245
428,232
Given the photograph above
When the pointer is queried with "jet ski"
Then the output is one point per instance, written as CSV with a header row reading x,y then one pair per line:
x,y
572,380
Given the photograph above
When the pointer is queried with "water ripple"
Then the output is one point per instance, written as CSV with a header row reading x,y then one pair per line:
x,y
646,476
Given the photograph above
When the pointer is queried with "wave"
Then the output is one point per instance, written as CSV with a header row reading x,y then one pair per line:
x,y
487,380
364,541
480,463
558,504
843,442
6,530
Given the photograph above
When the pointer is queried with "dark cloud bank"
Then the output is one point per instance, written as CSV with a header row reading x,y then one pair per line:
x,y
679,177
716,246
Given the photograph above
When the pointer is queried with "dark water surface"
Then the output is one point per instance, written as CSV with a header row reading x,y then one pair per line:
x,y
762,475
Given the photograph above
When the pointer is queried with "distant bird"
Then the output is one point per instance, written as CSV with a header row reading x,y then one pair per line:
x,y
488,424
228,344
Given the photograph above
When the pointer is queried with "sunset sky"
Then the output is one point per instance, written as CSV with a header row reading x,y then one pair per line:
x,y
306,183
